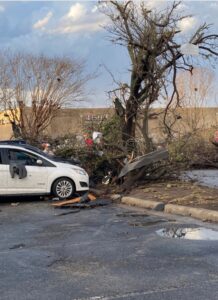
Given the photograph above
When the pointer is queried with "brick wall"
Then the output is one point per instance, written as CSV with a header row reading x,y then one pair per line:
x,y
5,132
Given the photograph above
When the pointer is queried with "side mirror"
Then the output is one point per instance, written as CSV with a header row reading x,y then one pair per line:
x,y
39,162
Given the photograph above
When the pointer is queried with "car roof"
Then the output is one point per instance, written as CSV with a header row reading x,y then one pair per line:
x,y
20,146
13,142
11,146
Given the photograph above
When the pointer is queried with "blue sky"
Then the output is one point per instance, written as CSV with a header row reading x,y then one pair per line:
x,y
74,29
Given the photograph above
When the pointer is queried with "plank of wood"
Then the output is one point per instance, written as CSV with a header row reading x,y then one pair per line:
x,y
91,197
65,202
72,201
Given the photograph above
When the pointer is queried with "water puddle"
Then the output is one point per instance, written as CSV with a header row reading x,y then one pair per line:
x,y
202,177
200,233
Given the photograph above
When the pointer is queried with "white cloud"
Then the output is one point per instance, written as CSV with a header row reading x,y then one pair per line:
x,y
152,4
79,19
2,8
187,24
76,12
161,4
214,5
40,24
182,6
94,9
82,27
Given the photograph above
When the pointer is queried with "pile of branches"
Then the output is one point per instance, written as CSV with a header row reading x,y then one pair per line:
x,y
114,164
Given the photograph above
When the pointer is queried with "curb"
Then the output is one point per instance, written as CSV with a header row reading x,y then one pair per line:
x,y
149,204
198,213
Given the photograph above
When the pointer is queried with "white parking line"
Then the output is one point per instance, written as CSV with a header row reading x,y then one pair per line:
x,y
134,294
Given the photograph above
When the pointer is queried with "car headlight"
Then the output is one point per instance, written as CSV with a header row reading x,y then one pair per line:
x,y
80,171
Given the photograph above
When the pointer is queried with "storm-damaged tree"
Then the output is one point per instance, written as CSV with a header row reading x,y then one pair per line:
x,y
153,40
33,89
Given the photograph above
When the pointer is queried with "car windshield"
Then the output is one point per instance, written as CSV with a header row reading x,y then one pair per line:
x,y
52,157
37,150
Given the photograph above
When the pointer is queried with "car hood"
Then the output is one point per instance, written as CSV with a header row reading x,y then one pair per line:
x,y
71,161
65,165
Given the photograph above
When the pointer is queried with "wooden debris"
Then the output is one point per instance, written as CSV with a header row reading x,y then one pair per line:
x,y
65,202
91,197
85,198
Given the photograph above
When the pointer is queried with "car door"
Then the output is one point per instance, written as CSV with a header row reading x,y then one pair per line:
x,y
37,175
3,174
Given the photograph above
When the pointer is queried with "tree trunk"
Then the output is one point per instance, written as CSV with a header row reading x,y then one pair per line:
x,y
145,131
129,126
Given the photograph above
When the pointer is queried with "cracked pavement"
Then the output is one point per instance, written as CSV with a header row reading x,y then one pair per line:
x,y
111,252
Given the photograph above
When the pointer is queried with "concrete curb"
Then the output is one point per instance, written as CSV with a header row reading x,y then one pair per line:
x,y
198,213
149,204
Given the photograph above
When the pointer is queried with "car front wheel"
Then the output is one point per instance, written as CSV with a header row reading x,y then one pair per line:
x,y
63,188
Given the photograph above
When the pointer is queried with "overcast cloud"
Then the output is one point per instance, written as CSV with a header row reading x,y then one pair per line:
x,y
74,28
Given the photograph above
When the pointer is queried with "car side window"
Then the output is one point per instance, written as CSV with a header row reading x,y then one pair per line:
x,y
21,156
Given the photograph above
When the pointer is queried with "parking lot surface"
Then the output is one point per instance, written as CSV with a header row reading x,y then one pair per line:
x,y
111,252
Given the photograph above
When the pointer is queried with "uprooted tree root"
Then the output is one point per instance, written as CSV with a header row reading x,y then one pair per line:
x,y
145,175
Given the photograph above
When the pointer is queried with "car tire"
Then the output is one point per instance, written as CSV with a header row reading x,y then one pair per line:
x,y
63,188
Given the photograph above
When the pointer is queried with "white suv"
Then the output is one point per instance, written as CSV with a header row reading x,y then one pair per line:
x,y
44,174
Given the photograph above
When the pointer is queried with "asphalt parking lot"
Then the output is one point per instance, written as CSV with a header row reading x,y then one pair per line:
x,y
110,252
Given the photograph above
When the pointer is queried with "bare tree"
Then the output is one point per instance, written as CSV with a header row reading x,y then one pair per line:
x,y
153,41
195,90
34,88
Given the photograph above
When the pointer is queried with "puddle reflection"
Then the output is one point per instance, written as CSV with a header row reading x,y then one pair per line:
x,y
200,233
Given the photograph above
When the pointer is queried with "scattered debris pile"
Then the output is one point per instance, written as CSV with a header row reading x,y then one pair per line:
x,y
113,163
